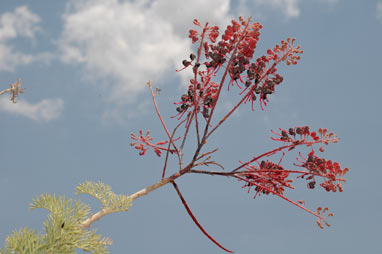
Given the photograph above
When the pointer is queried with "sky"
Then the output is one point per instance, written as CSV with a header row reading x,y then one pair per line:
x,y
84,65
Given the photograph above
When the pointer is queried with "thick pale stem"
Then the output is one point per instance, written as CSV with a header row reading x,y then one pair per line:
x,y
6,91
136,195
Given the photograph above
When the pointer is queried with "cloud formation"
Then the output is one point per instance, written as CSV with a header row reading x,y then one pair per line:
x,y
19,23
379,10
129,42
43,111
289,8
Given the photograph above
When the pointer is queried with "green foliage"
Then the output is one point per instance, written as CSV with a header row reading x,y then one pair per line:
x,y
111,202
23,241
63,231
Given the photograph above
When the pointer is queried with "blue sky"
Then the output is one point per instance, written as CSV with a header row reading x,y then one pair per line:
x,y
84,65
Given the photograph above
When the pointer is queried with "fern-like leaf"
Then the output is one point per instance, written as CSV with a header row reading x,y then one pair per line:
x,y
110,201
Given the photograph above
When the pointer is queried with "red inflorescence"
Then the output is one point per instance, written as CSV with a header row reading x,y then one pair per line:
x,y
234,52
268,177
142,144
320,167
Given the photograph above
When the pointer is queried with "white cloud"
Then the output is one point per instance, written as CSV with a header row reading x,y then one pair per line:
x,y
127,43
379,10
290,8
330,2
19,23
43,111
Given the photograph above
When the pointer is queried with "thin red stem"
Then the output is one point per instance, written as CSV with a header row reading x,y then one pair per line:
x,y
196,97
283,197
160,116
168,150
246,96
195,220
206,134
234,174
277,150
188,123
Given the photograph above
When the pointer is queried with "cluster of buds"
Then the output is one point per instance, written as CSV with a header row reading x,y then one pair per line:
x,y
142,144
261,75
322,215
267,178
206,97
303,135
235,51
211,32
237,44
327,169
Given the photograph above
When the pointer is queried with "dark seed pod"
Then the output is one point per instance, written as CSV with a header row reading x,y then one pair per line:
x,y
267,91
184,97
216,57
192,57
284,134
263,164
205,113
179,109
248,83
207,101
310,159
306,130
311,185
253,97
291,131
186,63
197,65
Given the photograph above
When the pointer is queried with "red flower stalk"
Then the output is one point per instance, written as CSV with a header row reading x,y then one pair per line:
x,y
142,144
233,55
324,168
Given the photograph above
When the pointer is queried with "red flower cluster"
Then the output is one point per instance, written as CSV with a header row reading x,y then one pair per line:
x,y
234,52
257,79
303,135
268,177
144,144
327,169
